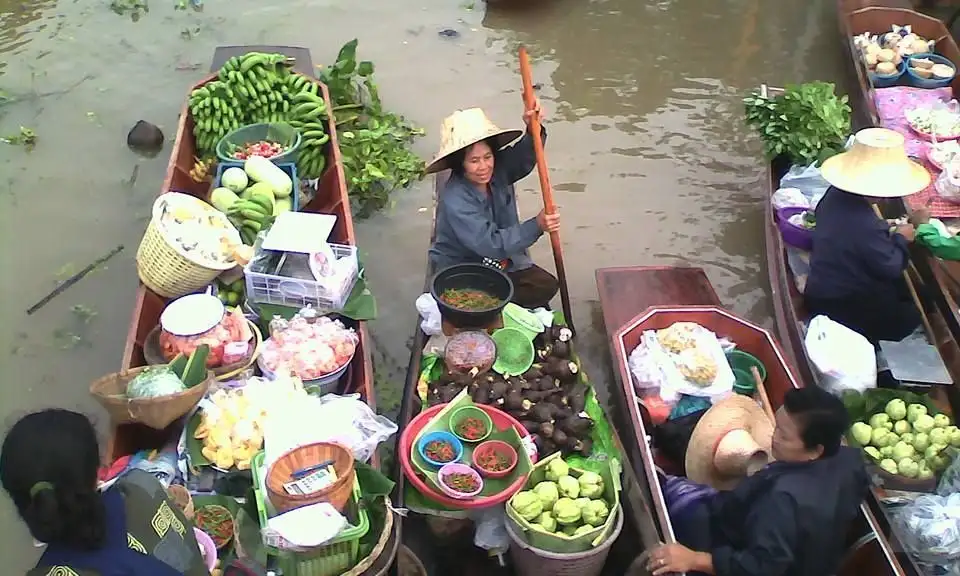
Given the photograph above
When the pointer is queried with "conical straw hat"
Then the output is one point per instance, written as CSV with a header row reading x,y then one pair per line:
x,y
876,165
466,127
731,441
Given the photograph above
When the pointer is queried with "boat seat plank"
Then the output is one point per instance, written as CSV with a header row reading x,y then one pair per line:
x,y
303,64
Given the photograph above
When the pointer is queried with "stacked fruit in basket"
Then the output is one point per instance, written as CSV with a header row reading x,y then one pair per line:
x,y
253,196
905,440
259,88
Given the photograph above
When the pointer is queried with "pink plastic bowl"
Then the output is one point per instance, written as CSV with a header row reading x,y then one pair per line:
x,y
209,548
457,468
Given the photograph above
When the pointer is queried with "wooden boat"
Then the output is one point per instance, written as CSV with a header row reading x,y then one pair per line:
x,y
330,198
942,279
445,545
641,298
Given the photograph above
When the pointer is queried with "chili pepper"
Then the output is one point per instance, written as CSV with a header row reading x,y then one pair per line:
x,y
439,451
494,461
468,299
217,522
472,428
461,482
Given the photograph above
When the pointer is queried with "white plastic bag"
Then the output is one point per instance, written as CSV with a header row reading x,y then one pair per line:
x,y
789,198
948,182
808,180
654,367
930,527
491,533
430,315
845,359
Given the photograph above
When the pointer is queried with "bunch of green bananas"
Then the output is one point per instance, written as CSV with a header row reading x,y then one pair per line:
x,y
309,115
251,215
215,113
258,87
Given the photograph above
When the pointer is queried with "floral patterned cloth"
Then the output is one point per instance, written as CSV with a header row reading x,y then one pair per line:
x,y
892,104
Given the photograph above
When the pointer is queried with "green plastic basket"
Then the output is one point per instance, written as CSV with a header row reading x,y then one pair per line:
x,y
520,318
334,558
744,383
276,132
515,351
740,360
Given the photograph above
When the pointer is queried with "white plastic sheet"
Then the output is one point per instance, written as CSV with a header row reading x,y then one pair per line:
x,y
429,311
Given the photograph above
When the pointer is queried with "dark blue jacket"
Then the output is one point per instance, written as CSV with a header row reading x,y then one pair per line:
x,y
472,225
853,250
789,519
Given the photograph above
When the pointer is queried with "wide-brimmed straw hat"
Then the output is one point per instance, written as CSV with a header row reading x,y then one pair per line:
x,y
876,165
731,441
466,127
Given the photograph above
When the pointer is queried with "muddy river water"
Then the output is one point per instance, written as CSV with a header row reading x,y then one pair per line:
x,y
650,160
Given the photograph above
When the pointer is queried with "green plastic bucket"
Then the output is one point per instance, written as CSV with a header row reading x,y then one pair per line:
x,y
278,132
744,384
521,319
515,351
740,360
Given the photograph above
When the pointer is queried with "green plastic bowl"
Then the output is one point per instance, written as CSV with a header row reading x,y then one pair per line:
x,y
744,385
276,132
515,351
461,414
521,319
740,360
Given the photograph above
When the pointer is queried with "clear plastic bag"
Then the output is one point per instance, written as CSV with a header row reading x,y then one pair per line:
x,y
929,527
808,180
947,184
790,198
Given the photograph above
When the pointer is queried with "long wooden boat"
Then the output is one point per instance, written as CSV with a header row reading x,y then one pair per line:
x,y
330,198
445,545
634,299
942,279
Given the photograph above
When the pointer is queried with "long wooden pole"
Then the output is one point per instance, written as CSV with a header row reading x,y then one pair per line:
x,y
529,101
913,292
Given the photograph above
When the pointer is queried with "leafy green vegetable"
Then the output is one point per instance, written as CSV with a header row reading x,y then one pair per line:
x,y
375,144
807,123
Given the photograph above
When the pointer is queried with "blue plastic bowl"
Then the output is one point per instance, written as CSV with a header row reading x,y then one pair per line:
x,y
919,82
887,80
440,435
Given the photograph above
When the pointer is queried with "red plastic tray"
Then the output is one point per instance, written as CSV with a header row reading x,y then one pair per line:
x,y
501,420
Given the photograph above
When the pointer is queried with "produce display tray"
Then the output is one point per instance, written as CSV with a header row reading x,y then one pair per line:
x,y
423,477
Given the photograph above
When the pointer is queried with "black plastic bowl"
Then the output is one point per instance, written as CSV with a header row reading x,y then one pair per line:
x,y
476,277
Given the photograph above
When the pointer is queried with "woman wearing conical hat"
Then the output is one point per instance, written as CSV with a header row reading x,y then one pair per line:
x,y
858,261
476,218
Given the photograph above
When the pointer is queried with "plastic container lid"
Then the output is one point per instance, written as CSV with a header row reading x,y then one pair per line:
x,y
515,352
468,350
192,314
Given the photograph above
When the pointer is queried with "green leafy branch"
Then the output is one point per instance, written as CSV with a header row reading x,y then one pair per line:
x,y
807,123
375,144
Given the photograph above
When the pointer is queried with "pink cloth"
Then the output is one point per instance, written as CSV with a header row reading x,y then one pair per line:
x,y
892,105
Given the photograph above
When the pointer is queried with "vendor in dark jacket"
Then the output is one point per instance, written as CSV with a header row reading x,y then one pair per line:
x,y
476,215
858,259
791,517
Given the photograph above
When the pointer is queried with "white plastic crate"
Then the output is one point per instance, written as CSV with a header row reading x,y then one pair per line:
x,y
265,287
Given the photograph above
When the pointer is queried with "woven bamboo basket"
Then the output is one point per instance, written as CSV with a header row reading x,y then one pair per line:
x,y
182,498
166,269
281,472
158,413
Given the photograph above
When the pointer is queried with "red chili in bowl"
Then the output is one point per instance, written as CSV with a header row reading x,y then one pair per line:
x,y
472,428
264,148
439,451
493,461
461,482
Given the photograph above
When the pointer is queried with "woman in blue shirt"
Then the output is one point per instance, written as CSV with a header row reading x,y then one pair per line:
x,y
476,217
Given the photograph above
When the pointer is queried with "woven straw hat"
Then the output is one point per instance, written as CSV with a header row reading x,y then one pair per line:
x,y
876,165
731,441
466,127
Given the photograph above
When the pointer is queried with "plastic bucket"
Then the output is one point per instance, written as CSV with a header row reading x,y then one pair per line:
x,y
471,277
744,383
521,319
280,133
531,561
741,360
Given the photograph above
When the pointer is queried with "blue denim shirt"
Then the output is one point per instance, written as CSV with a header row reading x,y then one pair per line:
x,y
853,250
471,225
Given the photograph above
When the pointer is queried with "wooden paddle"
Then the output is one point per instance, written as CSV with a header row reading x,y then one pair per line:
x,y
913,292
529,101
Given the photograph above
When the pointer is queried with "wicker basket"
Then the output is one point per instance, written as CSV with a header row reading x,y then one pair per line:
x,y
182,498
158,413
281,472
531,561
166,269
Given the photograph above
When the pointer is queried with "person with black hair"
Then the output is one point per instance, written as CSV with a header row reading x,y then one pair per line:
x,y
791,517
476,215
48,467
